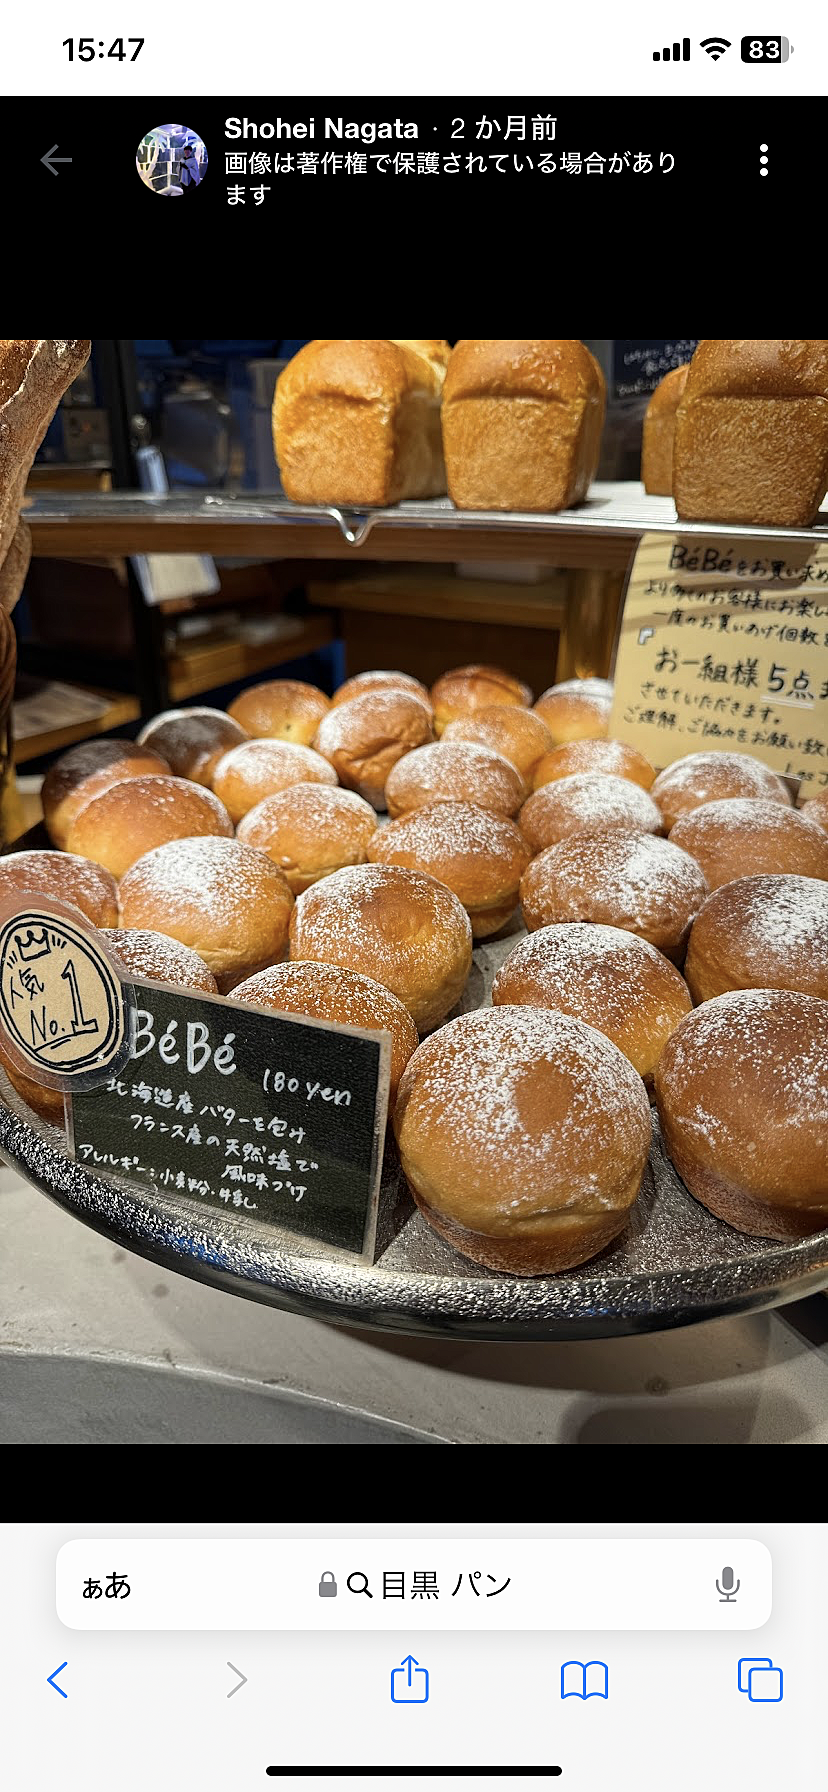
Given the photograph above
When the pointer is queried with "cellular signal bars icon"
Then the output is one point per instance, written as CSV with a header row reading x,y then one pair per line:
x,y
679,53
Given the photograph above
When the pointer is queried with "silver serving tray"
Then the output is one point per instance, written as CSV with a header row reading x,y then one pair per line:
x,y
674,1264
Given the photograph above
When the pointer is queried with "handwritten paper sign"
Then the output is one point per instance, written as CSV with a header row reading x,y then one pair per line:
x,y
723,644
62,1006
252,1113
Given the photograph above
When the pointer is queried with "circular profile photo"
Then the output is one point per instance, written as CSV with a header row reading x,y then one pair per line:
x,y
171,160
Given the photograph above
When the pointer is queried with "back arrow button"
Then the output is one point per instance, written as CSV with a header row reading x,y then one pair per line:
x,y
52,1680
235,1689
49,161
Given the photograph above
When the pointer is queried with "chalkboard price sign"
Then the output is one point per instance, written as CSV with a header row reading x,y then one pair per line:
x,y
253,1113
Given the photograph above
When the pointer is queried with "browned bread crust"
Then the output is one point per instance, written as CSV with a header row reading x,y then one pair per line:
x,y
357,421
659,431
522,423
751,442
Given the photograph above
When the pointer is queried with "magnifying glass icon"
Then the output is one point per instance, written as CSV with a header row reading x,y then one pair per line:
x,y
364,1588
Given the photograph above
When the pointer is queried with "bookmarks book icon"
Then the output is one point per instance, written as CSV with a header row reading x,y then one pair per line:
x,y
584,1680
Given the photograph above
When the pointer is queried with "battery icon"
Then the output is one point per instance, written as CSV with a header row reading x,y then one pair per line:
x,y
766,49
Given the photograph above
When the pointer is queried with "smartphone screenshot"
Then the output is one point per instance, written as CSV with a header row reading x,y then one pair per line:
x,y
510,1656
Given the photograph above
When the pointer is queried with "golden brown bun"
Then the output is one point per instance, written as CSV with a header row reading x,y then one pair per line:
x,y
64,876
578,709
145,953
468,689
357,421
607,978
518,734
259,768
327,992
225,900
480,856
141,954
400,927
746,838
815,809
587,803
635,881
84,772
712,777
761,933
127,820
742,1093
522,423
309,831
192,740
524,1136
659,430
364,738
379,681
280,709
455,772
611,757
751,443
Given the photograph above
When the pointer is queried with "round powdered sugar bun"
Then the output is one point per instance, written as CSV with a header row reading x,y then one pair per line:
x,y
379,681
578,709
225,900
638,882
480,856
742,1093
401,927
192,740
467,689
710,777
64,876
84,771
455,771
327,992
259,768
761,933
128,819
366,737
310,830
603,976
610,757
524,1135
280,709
743,837
587,803
144,953
517,733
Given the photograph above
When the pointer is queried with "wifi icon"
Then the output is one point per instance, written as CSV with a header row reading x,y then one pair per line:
x,y
715,46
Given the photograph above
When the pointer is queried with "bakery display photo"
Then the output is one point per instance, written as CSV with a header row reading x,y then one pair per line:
x,y
581,923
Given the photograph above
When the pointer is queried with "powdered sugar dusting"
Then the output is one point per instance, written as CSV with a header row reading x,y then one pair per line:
x,y
149,954
745,816
747,1059
478,1081
780,919
634,876
379,716
584,962
371,911
183,803
590,687
702,778
220,879
308,811
64,875
584,803
256,763
188,737
376,681
455,771
456,831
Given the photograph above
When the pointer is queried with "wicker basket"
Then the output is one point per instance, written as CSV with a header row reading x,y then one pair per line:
x,y
8,669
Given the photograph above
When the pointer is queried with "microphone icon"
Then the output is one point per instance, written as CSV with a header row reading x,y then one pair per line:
x,y
727,1590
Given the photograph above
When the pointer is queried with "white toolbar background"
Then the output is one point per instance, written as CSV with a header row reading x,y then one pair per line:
x,y
152,1710
368,48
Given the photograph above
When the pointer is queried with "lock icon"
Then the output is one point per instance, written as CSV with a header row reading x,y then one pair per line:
x,y
327,1586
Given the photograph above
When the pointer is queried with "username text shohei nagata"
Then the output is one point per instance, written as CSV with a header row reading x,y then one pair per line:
x,y
338,129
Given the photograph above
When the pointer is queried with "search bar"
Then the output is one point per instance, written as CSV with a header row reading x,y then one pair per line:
x,y
237,1584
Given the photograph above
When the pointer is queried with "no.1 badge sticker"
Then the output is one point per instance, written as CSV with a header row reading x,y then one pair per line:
x,y
63,1007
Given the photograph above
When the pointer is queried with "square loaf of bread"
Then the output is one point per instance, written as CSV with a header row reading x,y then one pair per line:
x,y
522,424
751,442
357,421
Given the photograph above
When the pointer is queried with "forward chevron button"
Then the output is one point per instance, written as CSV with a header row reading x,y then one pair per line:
x,y
242,1680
